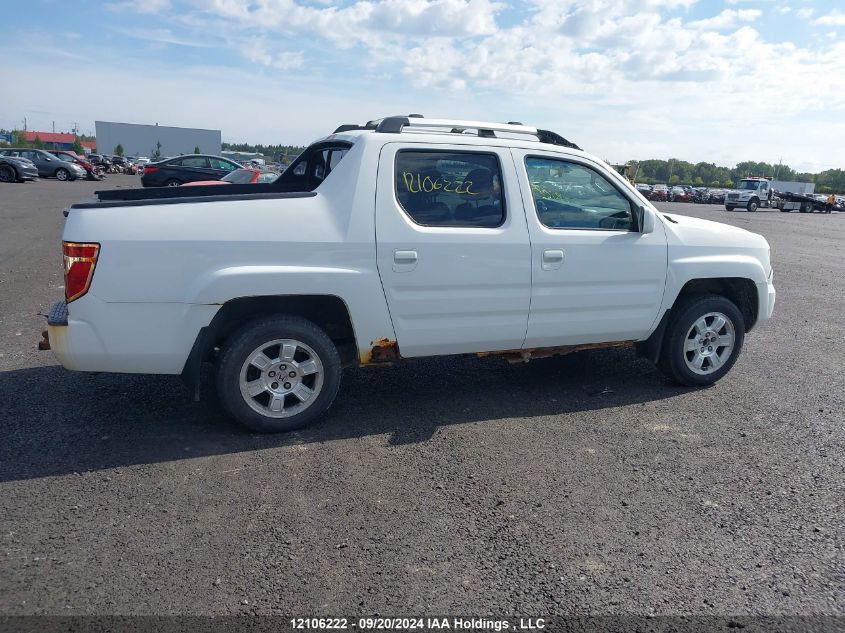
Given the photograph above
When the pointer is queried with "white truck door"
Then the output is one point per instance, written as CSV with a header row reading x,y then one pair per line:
x,y
452,248
596,276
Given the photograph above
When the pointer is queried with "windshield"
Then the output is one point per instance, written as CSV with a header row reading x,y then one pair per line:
x,y
750,185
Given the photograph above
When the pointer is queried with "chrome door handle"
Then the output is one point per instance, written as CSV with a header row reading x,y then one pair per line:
x,y
552,259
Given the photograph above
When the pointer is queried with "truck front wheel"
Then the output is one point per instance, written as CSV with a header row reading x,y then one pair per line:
x,y
753,205
278,374
703,340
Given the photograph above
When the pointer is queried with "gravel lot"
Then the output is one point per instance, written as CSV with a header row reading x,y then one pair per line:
x,y
580,485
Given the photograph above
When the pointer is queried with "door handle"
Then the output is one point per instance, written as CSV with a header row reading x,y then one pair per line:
x,y
404,260
405,257
552,259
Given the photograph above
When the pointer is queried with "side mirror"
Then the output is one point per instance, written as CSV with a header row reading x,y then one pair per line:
x,y
645,220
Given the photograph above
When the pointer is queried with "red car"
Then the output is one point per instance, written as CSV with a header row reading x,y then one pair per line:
x,y
244,176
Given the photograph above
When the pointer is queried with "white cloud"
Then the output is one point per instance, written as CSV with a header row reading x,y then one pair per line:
x,y
834,18
727,19
805,13
257,52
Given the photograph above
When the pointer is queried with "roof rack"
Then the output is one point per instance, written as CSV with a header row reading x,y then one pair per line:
x,y
396,124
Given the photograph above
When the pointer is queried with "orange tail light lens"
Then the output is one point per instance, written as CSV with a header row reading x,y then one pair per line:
x,y
80,260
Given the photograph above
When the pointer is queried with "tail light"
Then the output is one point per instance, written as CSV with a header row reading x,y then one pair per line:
x,y
80,260
150,170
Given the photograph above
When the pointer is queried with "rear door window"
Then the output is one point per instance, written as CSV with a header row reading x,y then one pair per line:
x,y
194,161
443,188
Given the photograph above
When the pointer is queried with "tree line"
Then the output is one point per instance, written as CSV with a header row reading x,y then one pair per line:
x,y
281,153
681,172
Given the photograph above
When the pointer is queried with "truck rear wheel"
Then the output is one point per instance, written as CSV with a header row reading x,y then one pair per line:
x,y
278,374
703,340
728,208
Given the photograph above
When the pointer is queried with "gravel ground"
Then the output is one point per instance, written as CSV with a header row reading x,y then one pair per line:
x,y
581,485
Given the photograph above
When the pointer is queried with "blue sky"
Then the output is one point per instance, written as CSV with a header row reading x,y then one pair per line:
x,y
715,80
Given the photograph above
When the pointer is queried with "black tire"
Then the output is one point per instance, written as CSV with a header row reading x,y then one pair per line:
x,y
62,174
727,208
245,341
8,173
173,182
673,356
753,205
806,207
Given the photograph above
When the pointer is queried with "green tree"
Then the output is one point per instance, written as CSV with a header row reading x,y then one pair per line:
x,y
715,183
156,155
77,146
118,150
38,143
698,182
19,139
197,149
675,179
729,183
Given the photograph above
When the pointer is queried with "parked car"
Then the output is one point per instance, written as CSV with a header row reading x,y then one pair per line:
x,y
48,166
17,169
242,176
643,187
92,172
101,161
717,196
189,168
680,194
398,246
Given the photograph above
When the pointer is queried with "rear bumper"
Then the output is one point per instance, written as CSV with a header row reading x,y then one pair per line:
x,y
73,343
145,338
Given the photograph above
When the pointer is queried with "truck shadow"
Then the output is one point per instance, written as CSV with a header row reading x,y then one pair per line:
x,y
55,422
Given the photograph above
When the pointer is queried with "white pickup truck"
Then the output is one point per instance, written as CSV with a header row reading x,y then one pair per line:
x,y
402,238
